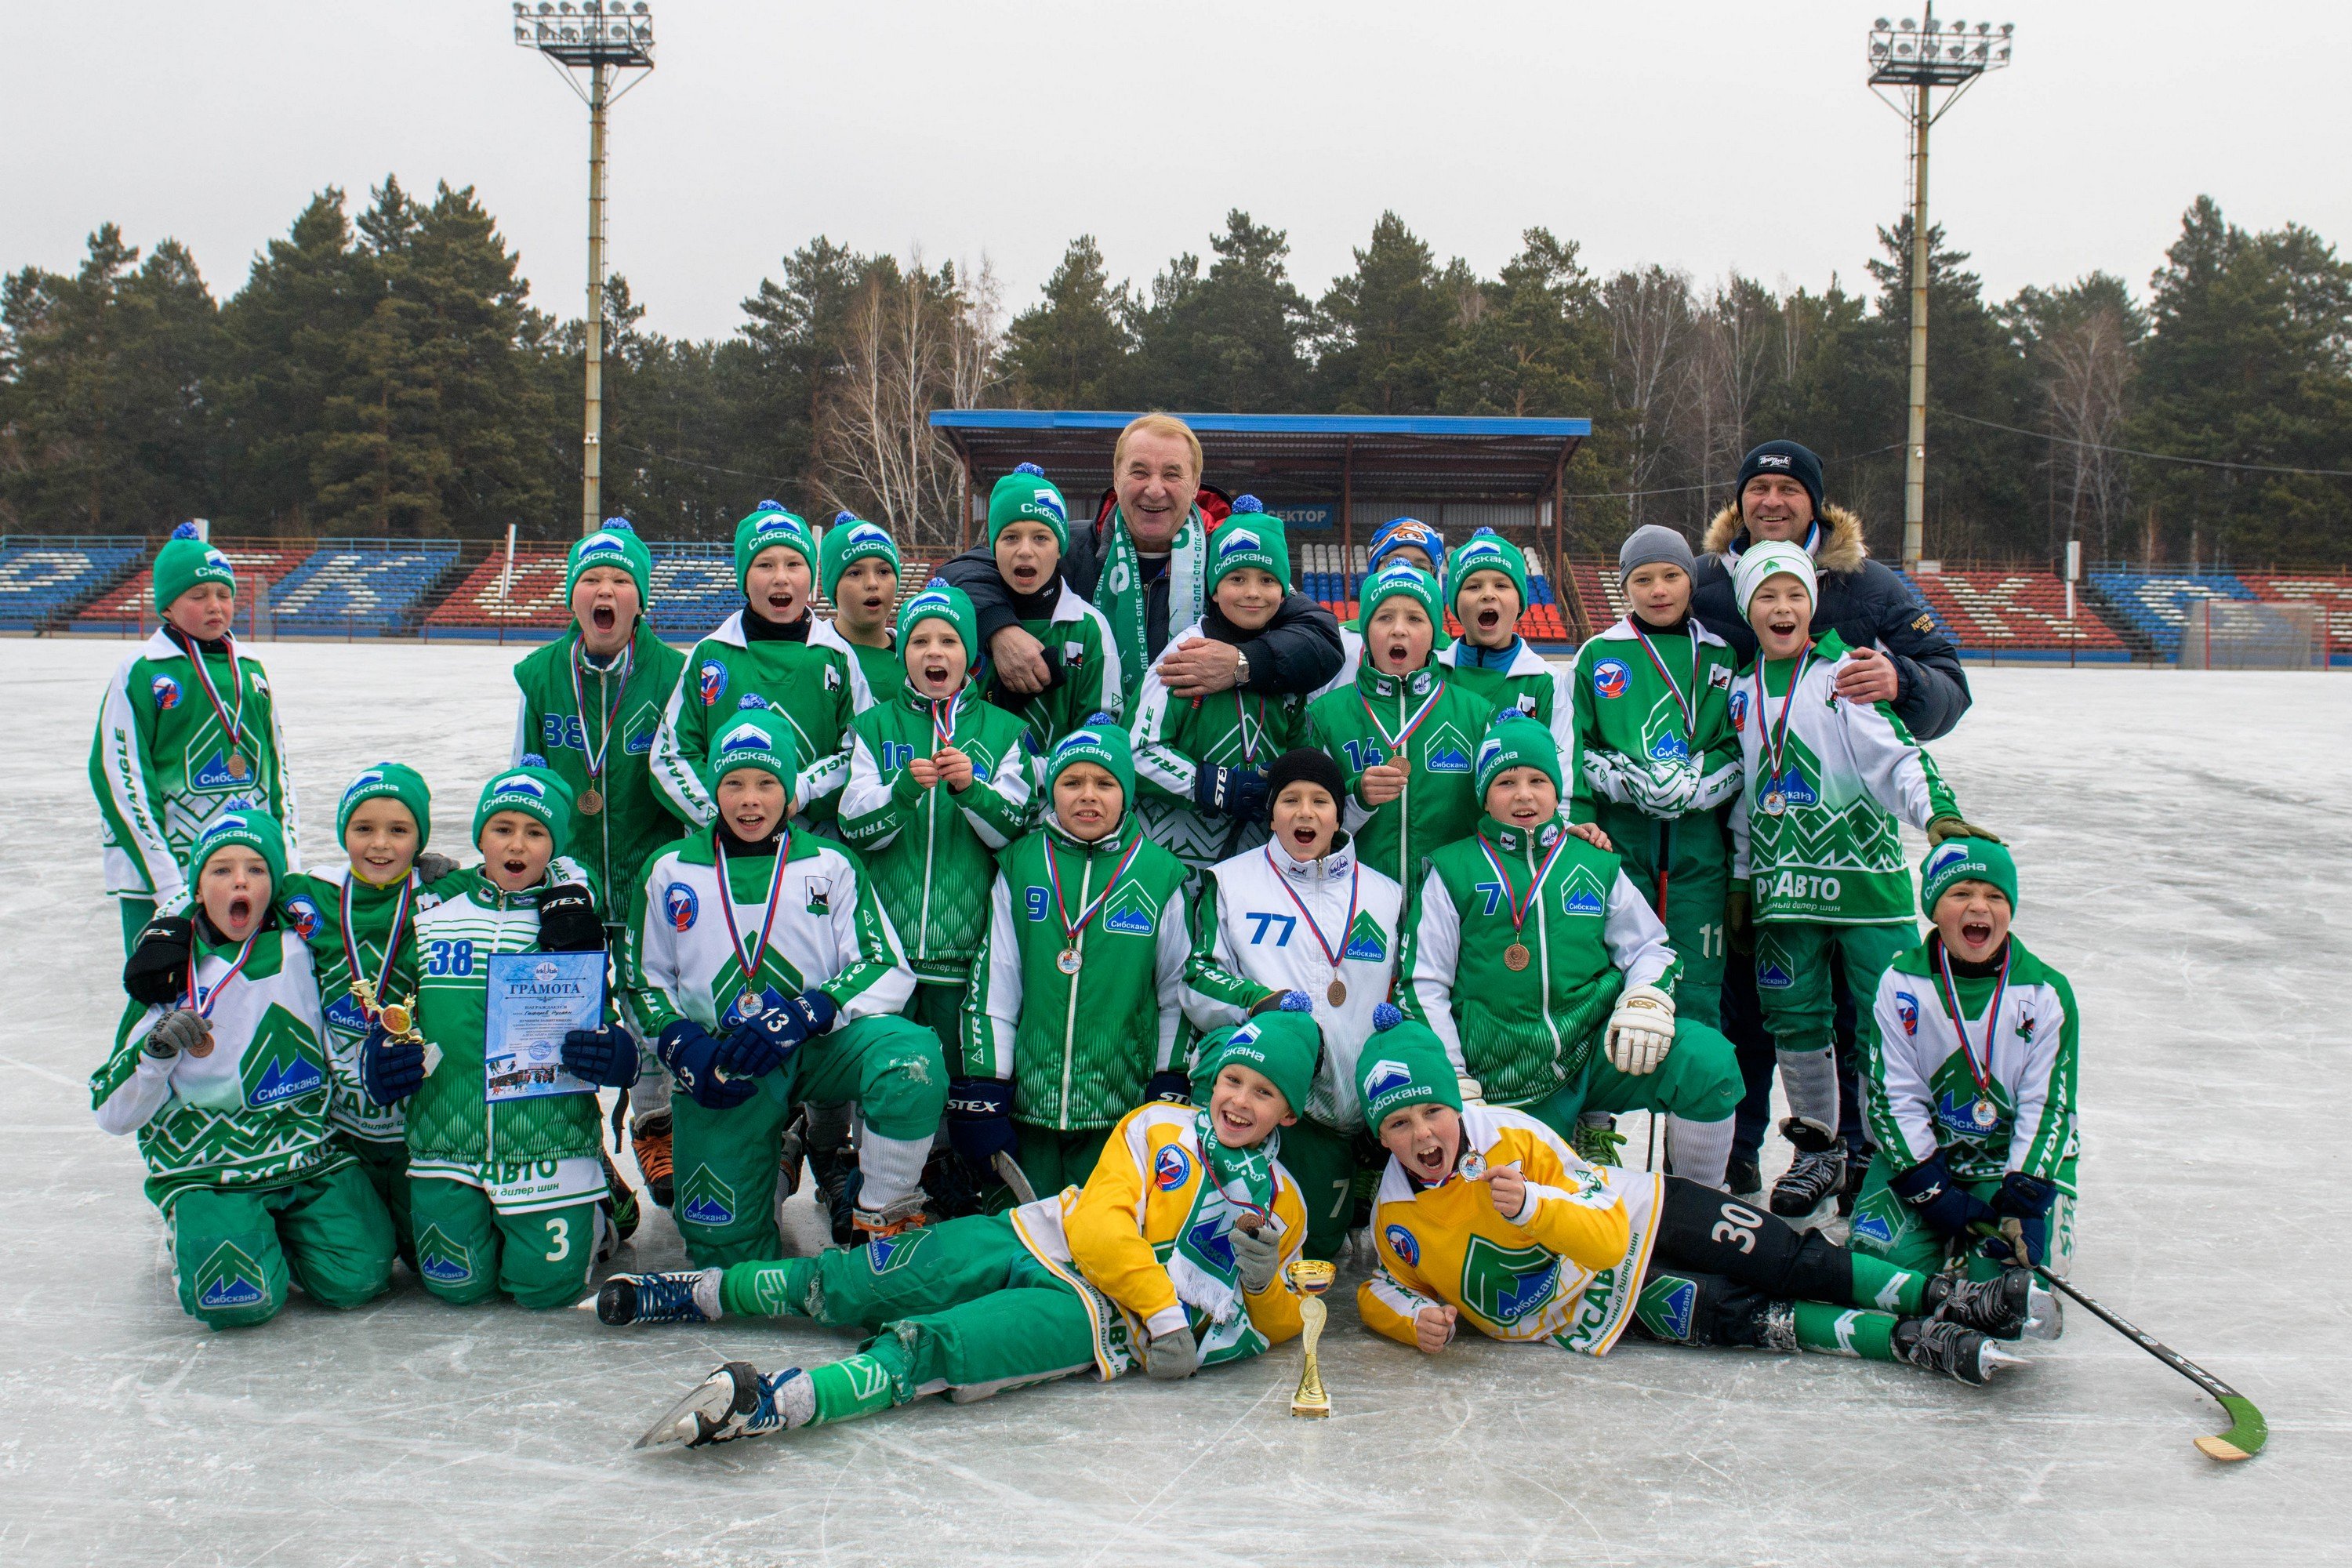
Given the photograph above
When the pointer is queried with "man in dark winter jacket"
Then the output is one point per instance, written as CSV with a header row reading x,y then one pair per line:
x,y
1143,564
1899,656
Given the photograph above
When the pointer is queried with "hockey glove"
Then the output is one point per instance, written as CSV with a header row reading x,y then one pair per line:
x,y
1169,1086
1172,1356
1237,792
980,1120
687,1048
606,1058
1257,1253
432,865
568,921
390,1070
181,1029
748,1050
157,972
803,1018
1941,1203
1943,827
1284,1002
1641,1031
2028,1200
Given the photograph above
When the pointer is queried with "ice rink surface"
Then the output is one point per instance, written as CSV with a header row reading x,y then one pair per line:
x,y
2186,847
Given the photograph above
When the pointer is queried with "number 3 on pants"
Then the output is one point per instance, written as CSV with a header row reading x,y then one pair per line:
x,y
559,1237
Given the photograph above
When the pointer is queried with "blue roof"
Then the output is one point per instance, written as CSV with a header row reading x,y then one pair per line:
x,y
1376,425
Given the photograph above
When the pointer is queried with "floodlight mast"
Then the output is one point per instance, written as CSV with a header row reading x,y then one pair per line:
x,y
603,37
1922,56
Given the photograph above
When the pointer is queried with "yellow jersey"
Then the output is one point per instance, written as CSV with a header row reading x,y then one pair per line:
x,y
1568,1269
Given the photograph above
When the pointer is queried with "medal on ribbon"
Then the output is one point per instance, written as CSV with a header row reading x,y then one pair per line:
x,y
1395,742
232,723
202,1002
1517,957
754,998
1067,961
1685,699
1336,992
1987,1110
591,798
943,727
366,991
1773,737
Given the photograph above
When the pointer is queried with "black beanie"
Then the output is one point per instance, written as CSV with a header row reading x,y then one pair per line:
x,y
1782,457
1306,765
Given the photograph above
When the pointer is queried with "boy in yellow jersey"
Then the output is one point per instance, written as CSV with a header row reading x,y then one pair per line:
x,y
1175,1255
1486,1215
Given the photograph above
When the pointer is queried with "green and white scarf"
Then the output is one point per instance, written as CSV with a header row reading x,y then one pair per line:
x,y
1120,595
1202,1265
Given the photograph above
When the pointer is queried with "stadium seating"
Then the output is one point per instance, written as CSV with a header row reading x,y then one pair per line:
x,y
129,606
41,580
2020,613
2149,604
2332,592
360,587
532,609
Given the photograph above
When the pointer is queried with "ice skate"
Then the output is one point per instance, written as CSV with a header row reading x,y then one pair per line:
x,y
1743,1178
649,1139
1598,1140
1948,1347
2013,1306
1814,1177
736,1400
620,1200
690,1296
903,1213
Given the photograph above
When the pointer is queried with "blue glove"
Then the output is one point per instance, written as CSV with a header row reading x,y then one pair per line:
x,y
687,1048
390,1070
1245,795
1170,1085
747,1051
980,1120
1943,1204
2027,1200
606,1057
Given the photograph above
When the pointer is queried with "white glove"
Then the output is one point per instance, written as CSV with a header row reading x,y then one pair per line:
x,y
1257,1253
1666,789
1641,1031
1473,1092
1606,774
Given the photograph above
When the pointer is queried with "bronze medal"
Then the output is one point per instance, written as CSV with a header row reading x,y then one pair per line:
x,y
238,767
1516,957
591,801
1067,961
1338,993
202,1048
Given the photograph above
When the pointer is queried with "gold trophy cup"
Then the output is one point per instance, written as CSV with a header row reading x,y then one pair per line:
x,y
399,1020
1310,1277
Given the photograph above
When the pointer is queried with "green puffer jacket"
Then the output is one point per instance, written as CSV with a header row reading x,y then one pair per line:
x,y
553,730
931,853
449,1120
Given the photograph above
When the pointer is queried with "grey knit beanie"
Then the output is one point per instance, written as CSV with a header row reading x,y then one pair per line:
x,y
1652,545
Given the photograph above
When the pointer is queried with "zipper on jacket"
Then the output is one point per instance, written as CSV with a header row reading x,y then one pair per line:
x,y
1070,1013
1543,960
930,843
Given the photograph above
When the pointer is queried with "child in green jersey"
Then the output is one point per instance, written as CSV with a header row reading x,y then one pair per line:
x,y
1029,530
1548,978
858,568
1656,759
1817,855
188,731
1402,733
225,1084
1486,590
1970,1093
1201,762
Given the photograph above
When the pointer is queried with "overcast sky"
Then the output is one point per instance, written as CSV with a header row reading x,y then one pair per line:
x,y
1706,136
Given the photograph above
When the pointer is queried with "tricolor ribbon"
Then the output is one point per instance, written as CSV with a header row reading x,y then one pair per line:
x,y
1396,741
359,983
1951,993
750,958
1070,928
1774,737
595,758
234,723
203,1006
1520,906
1355,882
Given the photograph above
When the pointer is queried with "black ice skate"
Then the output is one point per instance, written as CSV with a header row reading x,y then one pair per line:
x,y
1946,1347
2014,1305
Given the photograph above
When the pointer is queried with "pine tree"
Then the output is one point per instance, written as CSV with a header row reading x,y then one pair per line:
x,y
1382,330
1069,351
1231,341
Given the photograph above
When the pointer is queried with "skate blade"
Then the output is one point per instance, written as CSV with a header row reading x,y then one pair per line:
x,y
712,1401
1992,1361
2045,1315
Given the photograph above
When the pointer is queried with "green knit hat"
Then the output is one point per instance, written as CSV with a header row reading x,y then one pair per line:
x,y
1102,742
1966,860
852,538
1285,1047
186,560
388,780
756,740
941,600
1251,536
766,528
1027,493
1486,551
1403,1064
1516,740
254,830
1400,577
615,544
537,794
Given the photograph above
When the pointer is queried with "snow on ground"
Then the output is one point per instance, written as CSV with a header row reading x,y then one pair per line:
x,y
2185,845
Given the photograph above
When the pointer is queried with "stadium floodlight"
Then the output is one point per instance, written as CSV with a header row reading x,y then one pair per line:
x,y
604,39
1922,59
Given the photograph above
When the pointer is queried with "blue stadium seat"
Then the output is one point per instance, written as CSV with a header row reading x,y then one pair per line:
x,y
693,590
41,580
2153,602
363,587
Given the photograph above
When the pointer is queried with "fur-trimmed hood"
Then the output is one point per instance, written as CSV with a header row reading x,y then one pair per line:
x,y
1842,549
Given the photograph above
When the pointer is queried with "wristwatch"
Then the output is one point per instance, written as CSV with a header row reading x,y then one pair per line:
x,y
1240,669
